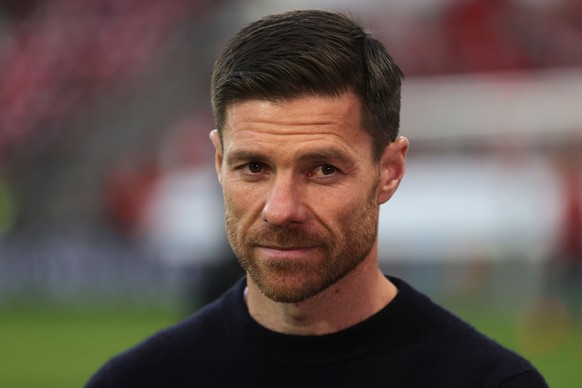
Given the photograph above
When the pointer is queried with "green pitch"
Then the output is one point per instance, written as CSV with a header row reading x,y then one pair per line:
x,y
48,347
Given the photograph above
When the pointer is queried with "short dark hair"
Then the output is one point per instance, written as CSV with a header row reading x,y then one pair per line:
x,y
310,52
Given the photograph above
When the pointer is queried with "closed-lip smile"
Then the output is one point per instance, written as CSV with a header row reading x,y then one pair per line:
x,y
279,252
279,248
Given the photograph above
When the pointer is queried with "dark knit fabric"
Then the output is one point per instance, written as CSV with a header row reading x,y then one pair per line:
x,y
412,342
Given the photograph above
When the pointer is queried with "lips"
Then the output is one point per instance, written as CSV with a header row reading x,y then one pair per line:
x,y
285,253
282,248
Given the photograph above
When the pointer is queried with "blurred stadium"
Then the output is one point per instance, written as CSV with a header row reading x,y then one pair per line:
x,y
111,221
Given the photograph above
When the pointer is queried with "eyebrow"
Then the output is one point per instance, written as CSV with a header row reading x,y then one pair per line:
x,y
332,154
237,156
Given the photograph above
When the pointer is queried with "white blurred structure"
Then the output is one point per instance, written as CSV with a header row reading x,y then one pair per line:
x,y
523,106
184,224
466,208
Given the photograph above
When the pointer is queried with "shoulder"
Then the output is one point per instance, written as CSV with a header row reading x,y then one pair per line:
x,y
173,351
160,353
458,350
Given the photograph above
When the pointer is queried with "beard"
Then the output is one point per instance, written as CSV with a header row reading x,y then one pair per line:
x,y
336,252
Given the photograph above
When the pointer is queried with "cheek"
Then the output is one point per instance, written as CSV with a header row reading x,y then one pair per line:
x,y
351,208
239,205
232,204
337,209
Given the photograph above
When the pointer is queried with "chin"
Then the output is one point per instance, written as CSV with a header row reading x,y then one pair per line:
x,y
293,287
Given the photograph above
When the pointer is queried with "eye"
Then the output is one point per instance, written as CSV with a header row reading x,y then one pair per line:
x,y
327,169
323,170
255,167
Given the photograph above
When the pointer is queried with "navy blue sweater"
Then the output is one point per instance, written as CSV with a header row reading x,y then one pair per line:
x,y
412,342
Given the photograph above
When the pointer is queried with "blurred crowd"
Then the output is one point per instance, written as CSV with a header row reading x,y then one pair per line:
x,y
493,35
58,57
57,54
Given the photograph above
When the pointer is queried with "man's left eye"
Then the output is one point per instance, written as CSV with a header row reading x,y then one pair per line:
x,y
326,169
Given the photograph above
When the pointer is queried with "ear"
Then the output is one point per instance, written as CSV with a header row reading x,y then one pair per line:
x,y
215,138
392,166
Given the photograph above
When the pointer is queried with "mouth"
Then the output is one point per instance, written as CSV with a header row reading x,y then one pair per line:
x,y
285,252
283,248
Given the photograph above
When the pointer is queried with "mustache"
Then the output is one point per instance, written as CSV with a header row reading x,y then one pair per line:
x,y
286,238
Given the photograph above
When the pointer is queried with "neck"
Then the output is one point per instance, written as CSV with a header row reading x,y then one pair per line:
x,y
356,297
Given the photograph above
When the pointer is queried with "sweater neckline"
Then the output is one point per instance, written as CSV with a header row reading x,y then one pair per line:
x,y
379,329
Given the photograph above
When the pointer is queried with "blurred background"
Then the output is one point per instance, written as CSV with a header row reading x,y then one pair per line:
x,y
111,219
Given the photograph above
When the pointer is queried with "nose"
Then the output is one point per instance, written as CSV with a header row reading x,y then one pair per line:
x,y
284,206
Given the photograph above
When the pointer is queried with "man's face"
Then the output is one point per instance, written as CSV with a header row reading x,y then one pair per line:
x,y
300,191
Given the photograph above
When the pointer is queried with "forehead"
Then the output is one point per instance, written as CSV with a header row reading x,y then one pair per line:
x,y
304,120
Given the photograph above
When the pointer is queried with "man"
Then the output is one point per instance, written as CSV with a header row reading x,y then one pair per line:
x,y
307,107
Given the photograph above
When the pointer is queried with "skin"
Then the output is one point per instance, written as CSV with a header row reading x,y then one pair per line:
x,y
302,195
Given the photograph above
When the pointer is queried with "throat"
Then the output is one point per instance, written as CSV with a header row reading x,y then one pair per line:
x,y
336,309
